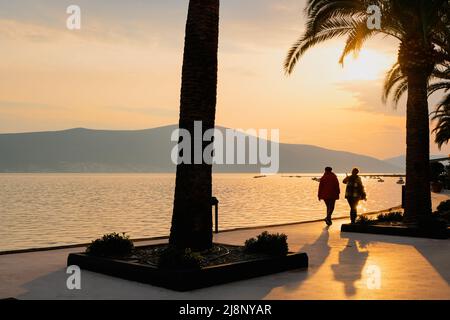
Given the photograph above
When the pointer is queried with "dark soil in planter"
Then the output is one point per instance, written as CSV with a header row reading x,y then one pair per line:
x,y
219,254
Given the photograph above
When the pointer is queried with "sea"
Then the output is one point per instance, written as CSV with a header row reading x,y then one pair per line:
x,y
45,210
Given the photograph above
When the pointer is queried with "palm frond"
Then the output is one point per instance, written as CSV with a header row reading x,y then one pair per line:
x,y
442,116
332,28
356,38
438,86
401,89
394,78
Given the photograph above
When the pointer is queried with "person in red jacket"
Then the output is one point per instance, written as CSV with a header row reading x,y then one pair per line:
x,y
329,192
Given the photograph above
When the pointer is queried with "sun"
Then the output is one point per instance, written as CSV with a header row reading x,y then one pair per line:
x,y
368,65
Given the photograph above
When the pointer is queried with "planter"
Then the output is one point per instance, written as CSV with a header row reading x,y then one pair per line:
x,y
404,231
437,187
185,280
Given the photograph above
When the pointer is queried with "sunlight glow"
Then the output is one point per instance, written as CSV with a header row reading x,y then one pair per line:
x,y
368,65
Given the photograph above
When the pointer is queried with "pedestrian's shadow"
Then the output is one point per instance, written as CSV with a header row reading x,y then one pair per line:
x,y
434,251
350,265
318,252
259,288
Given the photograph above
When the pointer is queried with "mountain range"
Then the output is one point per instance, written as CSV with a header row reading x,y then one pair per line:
x,y
86,150
400,161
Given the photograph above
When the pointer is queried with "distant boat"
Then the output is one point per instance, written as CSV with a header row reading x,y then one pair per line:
x,y
380,180
257,177
401,181
316,179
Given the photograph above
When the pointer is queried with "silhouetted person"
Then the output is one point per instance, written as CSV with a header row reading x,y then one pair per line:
x,y
329,192
354,193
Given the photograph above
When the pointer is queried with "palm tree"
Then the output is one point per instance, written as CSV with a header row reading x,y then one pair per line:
x,y
414,23
396,85
442,116
192,218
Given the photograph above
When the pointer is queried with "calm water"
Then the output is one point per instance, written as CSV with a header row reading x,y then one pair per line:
x,y
38,210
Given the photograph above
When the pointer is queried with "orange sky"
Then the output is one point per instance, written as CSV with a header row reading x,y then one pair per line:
x,y
122,71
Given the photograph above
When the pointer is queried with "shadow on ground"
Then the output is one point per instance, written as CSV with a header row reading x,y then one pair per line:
x,y
350,265
436,252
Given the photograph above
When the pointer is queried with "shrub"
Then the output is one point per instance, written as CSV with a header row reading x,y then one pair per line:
x,y
444,206
112,244
172,258
274,244
394,216
364,220
444,215
432,224
437,169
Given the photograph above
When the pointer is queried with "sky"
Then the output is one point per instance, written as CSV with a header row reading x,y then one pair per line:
x,y
122,70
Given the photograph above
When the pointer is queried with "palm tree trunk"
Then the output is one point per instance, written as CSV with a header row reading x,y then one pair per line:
x,y
418,197
192,217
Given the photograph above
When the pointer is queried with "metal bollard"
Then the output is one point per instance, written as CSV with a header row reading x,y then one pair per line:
x,y
403,196
215,203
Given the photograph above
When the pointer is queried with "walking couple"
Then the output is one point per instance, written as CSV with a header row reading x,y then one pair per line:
x,y
329,192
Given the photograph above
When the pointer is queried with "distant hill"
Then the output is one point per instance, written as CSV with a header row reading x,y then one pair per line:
x,y
85,150
400,161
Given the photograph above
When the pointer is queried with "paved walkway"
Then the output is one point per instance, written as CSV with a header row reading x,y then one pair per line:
x,y
342,266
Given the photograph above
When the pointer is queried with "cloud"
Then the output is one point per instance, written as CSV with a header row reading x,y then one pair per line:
x,y
112,21
148,111
367,95
24,31
253,26
4,105
245,25
96,32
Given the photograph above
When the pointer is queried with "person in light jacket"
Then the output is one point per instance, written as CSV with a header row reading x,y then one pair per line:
x,y
354,193
329,192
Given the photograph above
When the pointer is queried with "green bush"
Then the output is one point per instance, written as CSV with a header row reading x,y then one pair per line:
x,y
274,244
172,258
111,245
364,220
444,206
394,216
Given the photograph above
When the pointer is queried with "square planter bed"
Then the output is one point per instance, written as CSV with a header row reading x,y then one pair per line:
x,y
188,279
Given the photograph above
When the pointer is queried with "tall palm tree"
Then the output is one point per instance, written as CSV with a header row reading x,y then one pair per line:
x,y
192,218
396,85
413,23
